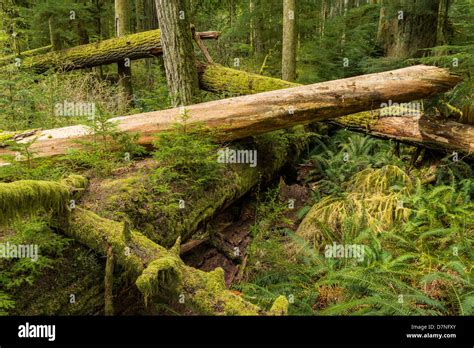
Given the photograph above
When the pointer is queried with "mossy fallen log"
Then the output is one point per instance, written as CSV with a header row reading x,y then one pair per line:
x,y
157,270
134,195
30,53
135,46
26,197
244,116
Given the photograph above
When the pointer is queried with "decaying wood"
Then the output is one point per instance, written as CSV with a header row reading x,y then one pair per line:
x,y
244,116
157,270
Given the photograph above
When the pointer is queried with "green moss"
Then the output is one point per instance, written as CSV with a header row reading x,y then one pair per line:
x,y
280,306
217,78
131,46
364,119
28,197
163,273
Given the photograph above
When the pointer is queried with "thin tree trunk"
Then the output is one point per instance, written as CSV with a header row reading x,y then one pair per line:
x,y
288,63
122,27
109,283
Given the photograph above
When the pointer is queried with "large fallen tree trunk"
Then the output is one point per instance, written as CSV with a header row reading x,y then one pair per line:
x,y
159,273
435,133
422,130
134,195
244,116
135,46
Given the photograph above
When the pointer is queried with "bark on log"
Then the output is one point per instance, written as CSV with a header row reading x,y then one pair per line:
x,y
426,131
244,116
440,134
135,46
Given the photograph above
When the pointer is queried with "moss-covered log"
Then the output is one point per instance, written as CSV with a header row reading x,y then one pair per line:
x,y
244,116
30,53
135,46
157,270
26,197
135,197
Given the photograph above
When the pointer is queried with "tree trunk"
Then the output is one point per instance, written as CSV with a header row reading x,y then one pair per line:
x,y
288,63
54,37
442,26
438,134
245,116
178,51
124,68
407,29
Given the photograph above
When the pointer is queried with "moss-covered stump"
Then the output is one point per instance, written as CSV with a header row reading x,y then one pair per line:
x,y
157,269
137,198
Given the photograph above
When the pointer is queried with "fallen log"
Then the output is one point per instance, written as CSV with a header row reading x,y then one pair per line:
x,y
133,195
159,273
30,53
135,46
421,130
240,117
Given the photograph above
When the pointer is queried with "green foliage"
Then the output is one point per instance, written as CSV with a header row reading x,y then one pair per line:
x,y
338,158
19,272
418,264
187,157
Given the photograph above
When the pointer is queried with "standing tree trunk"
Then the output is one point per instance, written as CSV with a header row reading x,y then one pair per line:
x,y
178,51
288,62
407,27
54,36
122,27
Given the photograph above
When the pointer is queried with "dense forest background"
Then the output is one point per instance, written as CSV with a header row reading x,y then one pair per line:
x,y
411,207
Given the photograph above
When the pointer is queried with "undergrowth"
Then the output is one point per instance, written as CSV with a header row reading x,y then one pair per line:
x,y
418,261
